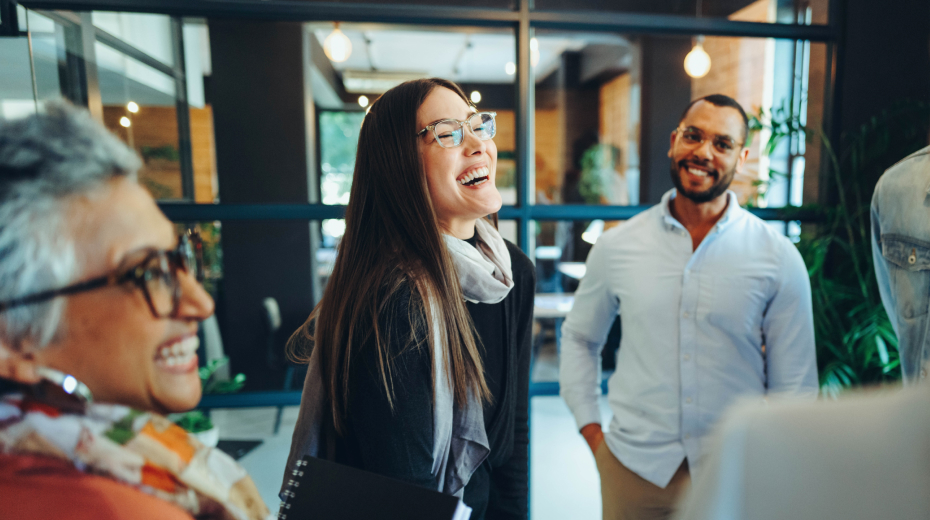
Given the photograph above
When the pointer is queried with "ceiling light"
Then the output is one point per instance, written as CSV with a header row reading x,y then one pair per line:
x,y
510,68
125,122
132,107
475,96
363,101
337,45
697,62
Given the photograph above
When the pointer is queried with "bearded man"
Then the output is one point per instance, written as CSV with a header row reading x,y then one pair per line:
x,y
715,305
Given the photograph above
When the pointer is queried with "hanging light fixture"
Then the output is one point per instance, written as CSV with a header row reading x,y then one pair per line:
x,y
337,45
363,101
132,106
697,62
475,97
125,122
510,68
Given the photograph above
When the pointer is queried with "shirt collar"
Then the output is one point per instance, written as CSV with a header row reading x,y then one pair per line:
x,y
731,214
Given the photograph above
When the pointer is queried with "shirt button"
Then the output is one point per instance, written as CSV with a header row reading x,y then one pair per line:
x,y
686,315
687,357
688,400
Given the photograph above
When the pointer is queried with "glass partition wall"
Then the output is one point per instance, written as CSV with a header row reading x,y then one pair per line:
x,y
247,117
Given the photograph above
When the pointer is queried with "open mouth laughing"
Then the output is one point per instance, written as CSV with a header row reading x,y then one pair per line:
x,y
179,355
474,177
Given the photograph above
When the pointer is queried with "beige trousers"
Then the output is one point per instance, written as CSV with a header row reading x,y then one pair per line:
x,y
627,496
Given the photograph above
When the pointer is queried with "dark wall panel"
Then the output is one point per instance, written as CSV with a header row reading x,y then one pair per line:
x,y
886,57
257,91
666,91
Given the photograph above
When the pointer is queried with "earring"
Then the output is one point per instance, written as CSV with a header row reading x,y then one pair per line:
x,y
67,383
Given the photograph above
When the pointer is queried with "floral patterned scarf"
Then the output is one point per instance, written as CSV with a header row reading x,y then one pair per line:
x,y
143,450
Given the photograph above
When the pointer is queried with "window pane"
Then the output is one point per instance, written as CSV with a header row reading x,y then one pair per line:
x,y
765,11
249,299
494,4
139,105
561,248
606,106
150,33
17,92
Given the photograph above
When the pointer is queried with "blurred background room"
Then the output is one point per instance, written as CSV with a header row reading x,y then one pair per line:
x,y
246,115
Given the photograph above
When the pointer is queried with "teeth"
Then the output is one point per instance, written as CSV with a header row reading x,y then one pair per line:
x,y
179,353
474,174
697,173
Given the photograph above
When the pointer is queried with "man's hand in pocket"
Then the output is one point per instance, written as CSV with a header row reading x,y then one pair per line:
x,y
594,435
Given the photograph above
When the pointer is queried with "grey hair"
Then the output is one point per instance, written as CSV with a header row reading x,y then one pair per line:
x,y
46,160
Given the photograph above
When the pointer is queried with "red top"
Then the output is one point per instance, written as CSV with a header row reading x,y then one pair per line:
x,y
35,487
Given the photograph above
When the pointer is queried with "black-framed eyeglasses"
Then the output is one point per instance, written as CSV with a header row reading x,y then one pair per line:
x,y
450,133
156,274
723,144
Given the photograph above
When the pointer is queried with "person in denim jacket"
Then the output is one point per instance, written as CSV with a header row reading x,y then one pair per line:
x,y
901,250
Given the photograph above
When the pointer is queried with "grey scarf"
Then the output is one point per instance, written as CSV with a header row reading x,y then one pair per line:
x,y
460,443
484,272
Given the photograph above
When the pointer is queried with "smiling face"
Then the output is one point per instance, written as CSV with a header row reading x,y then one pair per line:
x,y
702,172
460,179
110,340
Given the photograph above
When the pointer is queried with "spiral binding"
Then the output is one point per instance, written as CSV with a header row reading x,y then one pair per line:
x,y
292,484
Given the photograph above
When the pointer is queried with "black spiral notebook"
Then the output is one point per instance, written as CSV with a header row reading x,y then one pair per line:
x,y
324,490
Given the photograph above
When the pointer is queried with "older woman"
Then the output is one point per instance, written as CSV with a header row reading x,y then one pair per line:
x,y
99,309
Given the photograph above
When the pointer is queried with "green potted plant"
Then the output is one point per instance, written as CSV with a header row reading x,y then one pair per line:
x,y
856,344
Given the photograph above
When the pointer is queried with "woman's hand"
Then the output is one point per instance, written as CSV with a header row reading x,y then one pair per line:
x,y
593,434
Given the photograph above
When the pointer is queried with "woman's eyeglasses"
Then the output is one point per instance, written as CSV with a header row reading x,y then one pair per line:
x,y
450,133
723,144
157,275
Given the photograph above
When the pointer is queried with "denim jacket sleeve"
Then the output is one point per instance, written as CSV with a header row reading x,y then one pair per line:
x,y
900,236
882,274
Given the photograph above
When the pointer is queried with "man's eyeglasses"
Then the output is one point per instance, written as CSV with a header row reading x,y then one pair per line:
x,y
723,144
156,274
450,133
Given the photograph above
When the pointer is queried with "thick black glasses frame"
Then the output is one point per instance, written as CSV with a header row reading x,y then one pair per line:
x,y
188,245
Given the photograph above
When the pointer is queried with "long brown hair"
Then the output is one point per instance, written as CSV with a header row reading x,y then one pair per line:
x,y
392,238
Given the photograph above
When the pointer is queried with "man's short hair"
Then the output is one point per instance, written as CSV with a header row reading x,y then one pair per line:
x,y
720,100
46,160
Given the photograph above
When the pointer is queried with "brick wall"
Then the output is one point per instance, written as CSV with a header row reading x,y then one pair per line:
x,y
549,148
738,70
615,121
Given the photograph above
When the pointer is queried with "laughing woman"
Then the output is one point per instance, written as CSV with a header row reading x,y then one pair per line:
x,y
99,309
419,350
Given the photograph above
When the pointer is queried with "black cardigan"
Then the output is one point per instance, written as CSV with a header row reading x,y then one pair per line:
x,y
399,444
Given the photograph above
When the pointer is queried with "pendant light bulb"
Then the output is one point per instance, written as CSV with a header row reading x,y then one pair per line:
x,y
697,62
337,45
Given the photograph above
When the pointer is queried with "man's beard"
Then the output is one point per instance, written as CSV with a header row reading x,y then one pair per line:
x,y
717,189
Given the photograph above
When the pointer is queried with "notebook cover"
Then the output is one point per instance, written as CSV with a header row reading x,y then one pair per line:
x,y
320,489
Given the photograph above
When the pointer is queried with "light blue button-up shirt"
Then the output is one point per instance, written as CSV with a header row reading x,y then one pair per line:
x,y
694,326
